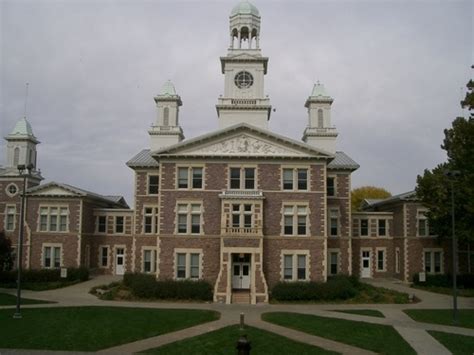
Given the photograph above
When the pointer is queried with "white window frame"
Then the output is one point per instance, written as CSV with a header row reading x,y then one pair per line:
x,y
52,247
329,261
386,234
189,176
295,213
294,267
49,215
8,215
101,249
97,223
334,214
153,260
154,215
242,213
432,252
189,212
7,189
334,177
360,227
242,177
384,259
295,178
148,184
115,225
187,265
421,218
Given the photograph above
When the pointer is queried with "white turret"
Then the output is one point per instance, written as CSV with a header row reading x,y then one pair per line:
x,y
167,130
319,133
21,146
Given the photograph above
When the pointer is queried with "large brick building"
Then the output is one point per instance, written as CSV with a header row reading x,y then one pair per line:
x,y
241,207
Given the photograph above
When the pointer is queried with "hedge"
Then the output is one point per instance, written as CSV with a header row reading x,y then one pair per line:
x,y
446,280
337,288
44,275
146,286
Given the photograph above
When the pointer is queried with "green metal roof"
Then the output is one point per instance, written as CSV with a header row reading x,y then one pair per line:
x,y
22,128
244,8
168,89
319,90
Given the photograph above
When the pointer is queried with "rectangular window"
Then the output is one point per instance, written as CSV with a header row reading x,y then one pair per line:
x,y
242,178
397,260
295,179
334,223
333,263
149,260
190,177
294,267
10,218
433,261
331,186
364,227
101,224
119,226
188,266
104,256
295,220
189,218
153,184
382,227
51,257
380,260
242,216
150,221
422,224
54,219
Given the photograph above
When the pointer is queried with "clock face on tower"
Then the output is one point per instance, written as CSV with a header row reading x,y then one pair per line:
x,y
243,80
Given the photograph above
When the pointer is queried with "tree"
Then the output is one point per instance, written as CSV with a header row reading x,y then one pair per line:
x,y
433,187
6,259
367,192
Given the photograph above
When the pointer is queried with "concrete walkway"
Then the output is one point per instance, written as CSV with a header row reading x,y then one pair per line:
x,y
415,333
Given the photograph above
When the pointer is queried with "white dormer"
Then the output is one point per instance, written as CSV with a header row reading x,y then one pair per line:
x,y
319,133
21,146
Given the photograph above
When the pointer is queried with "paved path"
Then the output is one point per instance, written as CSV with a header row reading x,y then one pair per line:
x,y
415,333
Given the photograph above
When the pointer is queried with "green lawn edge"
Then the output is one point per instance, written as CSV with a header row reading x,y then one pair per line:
x,y
442,316
224,340
455,343
445,290
10,300
92,328
362,312
382,339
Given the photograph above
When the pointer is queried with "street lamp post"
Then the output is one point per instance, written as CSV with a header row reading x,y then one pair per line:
x,y
452,174
21,170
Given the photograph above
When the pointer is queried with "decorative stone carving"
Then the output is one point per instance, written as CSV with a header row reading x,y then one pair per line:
x,y
244,144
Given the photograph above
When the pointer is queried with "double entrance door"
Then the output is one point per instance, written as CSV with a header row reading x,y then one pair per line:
x,y
241,271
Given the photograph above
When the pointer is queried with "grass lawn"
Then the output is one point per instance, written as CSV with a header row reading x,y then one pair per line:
x,y
223,341
41,286
457,344
442,316
363,312
10,300
467,292
375,337
92,328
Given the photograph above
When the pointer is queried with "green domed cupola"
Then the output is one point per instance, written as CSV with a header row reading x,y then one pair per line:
x,y
244,8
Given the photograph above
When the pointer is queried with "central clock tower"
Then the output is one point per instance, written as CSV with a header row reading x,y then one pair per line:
x,y
244,68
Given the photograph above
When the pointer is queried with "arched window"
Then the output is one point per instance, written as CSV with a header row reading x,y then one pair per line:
x,y
320,118
16,156
166,116
32,157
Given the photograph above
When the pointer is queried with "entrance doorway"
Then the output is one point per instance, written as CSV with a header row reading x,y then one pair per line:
x,y
366,264
119,261
241,271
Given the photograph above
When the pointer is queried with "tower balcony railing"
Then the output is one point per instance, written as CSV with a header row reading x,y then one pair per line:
x,y
242,194
243,101
242,231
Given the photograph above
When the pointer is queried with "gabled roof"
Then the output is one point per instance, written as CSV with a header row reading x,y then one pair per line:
x,y
22,130
243,140
406,196
343,162
57,189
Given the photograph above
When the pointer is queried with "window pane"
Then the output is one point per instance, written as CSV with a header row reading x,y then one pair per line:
x,y
287,179
334,225
288,225
301,267
57,257
181,266
53,223
437,261
195,224
382,227
301,225
182,178
235,178
102,224
334,263
364,227
288,267
148,224
197,178
194,266
105,254
47,257
63,223
182,223
248,221
153,183
428,262
330,186
235,220
249,178
380,260
302,179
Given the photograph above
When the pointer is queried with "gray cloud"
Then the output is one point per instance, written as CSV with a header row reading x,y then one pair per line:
x,y
395,69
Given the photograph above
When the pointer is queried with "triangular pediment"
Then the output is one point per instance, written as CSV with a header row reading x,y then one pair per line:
x,y
242,140
53,190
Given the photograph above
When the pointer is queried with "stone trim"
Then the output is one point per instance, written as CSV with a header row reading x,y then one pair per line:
x,y
295,204
295,168
190,167
293,253
52,245
153,256
384,249
188,252
5,217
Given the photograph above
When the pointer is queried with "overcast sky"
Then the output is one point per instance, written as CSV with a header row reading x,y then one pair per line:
x,y
394,68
